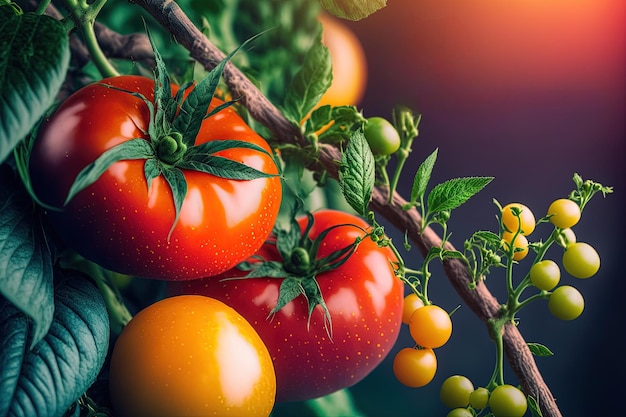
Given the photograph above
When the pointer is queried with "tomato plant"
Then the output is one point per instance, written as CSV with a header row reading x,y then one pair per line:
x,y
191,355
479,398
325,326
411,303
127,222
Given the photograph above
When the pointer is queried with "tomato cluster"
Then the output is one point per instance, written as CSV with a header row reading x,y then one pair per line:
x,y
579,259
430,327
457,392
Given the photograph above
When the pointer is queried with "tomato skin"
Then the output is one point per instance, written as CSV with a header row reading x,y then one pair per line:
x,y
411,303
581,260
566,303
120,224
564,213
191,356
363,296
525,223
507,401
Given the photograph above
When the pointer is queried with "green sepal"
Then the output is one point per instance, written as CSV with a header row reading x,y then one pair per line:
x,y
137,148
178,184
194,108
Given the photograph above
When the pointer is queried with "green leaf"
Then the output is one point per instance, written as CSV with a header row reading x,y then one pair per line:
x,y
357,173
453,193
163,103
309,83
132,149
178,184
540,350
533,405
422,177
34,58
488,237
48,379
152,169
25,260
352,9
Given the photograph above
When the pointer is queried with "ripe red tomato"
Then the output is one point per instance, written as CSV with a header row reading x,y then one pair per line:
x,y
363,296
120,223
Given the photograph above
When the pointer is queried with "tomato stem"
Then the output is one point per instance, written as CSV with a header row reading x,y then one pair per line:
x,y
84,15
42,6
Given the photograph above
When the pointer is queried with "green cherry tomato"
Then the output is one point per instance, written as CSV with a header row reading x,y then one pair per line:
x,y
382,137
564,213
545,274
459,412
455,391
566,303
566,237
479,398
581,260
525,223
507,401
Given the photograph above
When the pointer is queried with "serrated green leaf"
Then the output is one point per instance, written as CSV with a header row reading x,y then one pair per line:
x,y
25,260
215,146
422,177
132,149
178,184
309,83
540,350
453,193
48,379
357,173
352,9
34,58
488,237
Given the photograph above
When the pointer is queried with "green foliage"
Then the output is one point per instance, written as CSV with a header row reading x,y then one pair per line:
x,y
48,379
25,259
353,9
34,59
356,174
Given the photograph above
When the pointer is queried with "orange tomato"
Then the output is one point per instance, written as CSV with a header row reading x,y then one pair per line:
x,y
349,63
191,355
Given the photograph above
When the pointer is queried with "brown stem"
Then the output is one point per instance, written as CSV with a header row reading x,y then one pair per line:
x,y
480,299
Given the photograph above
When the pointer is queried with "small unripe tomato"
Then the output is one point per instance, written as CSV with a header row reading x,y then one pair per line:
x,y
581,260
566,303
545,274
382,137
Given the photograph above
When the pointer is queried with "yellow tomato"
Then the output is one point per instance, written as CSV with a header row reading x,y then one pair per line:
x,y
191,355
349,63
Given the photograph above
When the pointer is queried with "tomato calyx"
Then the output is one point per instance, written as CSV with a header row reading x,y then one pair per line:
x,y
168,147
299,266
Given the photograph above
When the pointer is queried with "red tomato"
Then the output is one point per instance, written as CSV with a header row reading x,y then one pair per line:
x,y
122,225
363,296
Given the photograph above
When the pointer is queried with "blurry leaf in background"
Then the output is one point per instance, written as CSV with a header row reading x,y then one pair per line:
x,y
352,9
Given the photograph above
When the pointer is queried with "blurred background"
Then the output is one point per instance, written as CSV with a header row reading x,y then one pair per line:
x,y
527,91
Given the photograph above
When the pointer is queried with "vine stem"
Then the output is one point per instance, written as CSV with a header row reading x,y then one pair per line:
x,y
480,300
